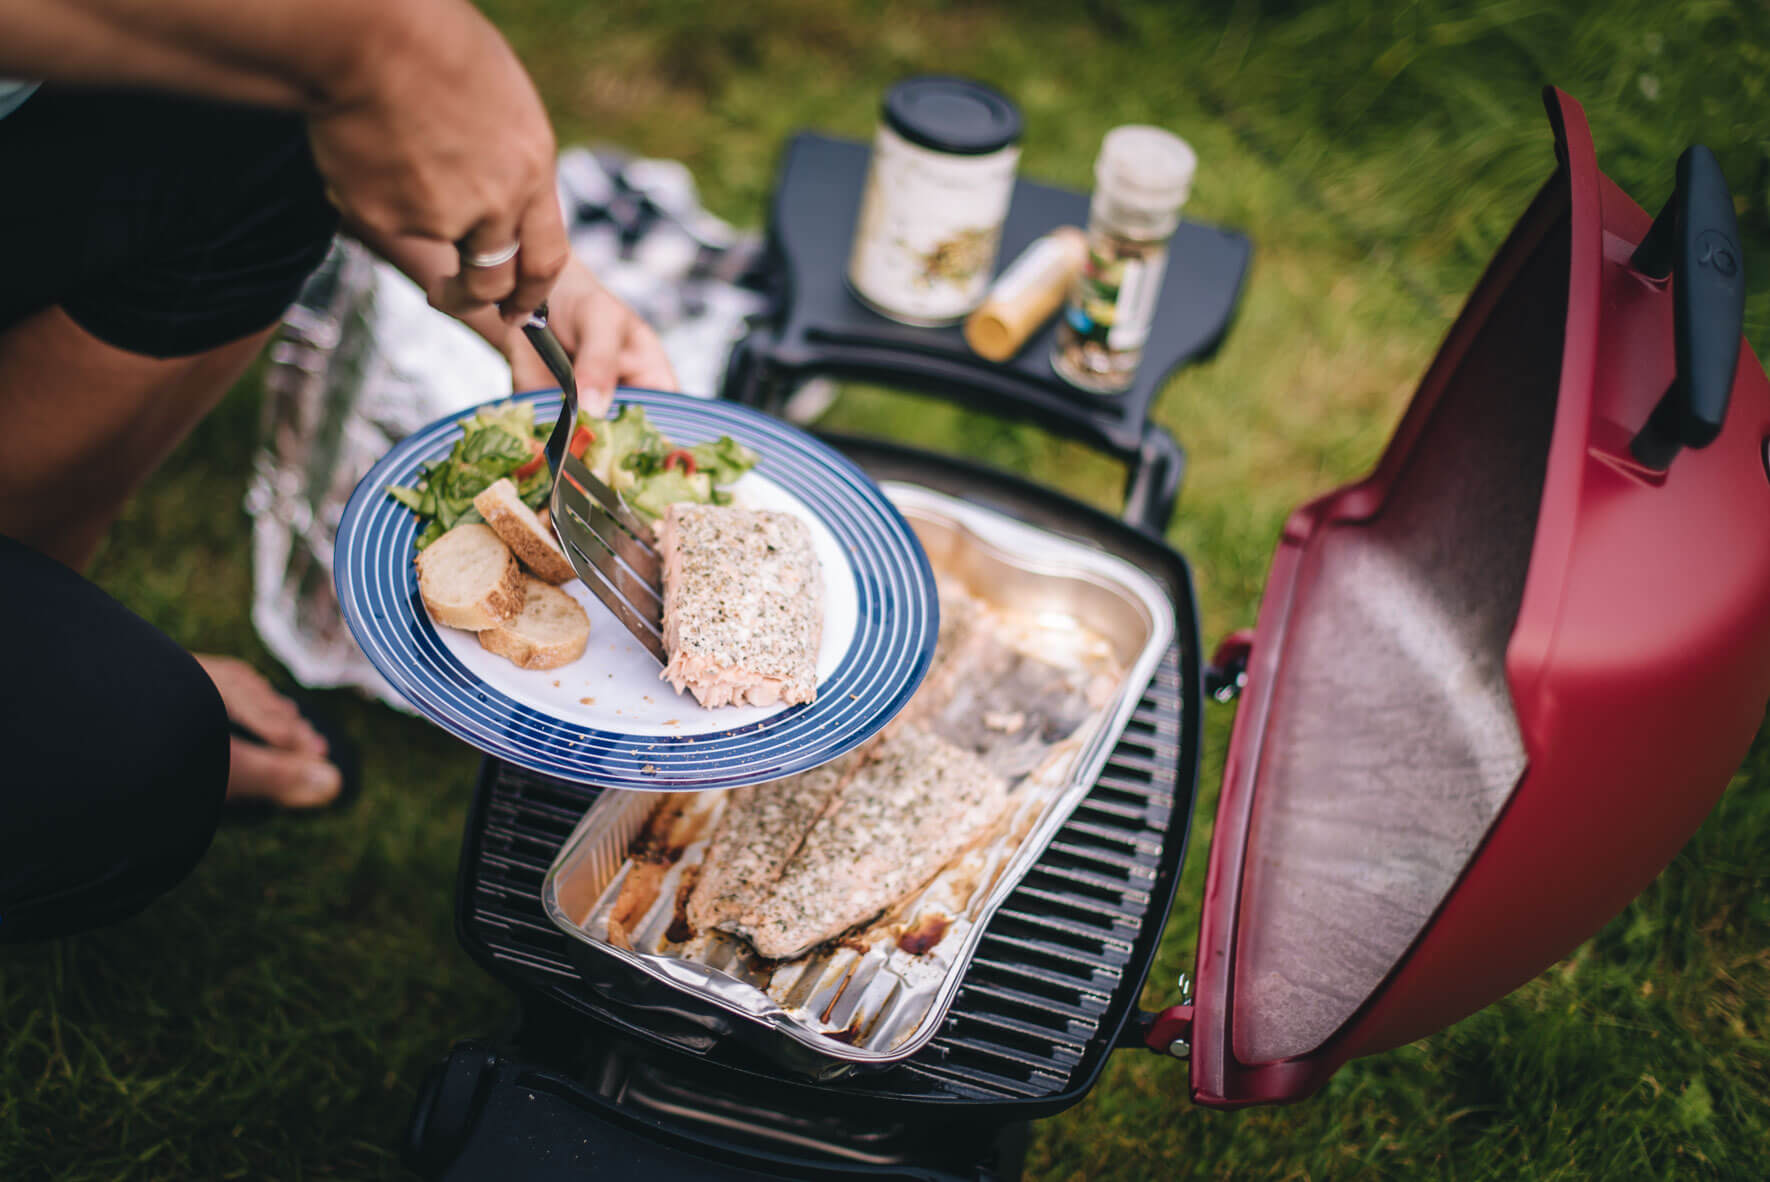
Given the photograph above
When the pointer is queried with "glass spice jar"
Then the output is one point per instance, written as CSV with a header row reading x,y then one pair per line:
x,y
1141,179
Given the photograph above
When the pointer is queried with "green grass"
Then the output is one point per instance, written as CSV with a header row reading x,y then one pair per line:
x,y
272,1016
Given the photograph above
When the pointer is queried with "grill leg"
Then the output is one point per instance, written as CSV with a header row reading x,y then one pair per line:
x,y
482,1115
448,1105
1012,1143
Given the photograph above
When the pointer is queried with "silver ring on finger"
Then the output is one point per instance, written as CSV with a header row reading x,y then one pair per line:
x,y
490,258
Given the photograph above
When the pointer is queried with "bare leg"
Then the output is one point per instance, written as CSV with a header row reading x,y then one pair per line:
x,y
72,405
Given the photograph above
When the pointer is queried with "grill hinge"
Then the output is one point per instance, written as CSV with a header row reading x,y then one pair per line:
x,y
1170,1032
1228,671
1166,1033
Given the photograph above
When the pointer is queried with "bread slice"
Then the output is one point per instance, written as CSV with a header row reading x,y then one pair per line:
x,y
523,532
469,579
550,631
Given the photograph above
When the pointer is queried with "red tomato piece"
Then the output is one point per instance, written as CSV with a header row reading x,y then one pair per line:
x,y
533,465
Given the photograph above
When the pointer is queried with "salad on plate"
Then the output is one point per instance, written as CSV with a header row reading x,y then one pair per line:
x,y
625,452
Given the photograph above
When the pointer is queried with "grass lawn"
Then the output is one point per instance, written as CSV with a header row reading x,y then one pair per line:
x,y
272,1017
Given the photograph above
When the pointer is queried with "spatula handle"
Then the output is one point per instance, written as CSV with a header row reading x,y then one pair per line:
x,y
560,366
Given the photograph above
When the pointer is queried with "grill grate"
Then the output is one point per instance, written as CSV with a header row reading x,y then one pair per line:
x,y
1059,958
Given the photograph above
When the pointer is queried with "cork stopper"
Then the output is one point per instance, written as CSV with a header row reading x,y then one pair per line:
x,y
1027,294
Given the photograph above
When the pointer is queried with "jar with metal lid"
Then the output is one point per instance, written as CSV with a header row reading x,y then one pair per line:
x,y
1141,179
937,192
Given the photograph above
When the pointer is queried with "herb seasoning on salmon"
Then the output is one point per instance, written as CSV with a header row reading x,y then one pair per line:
x,y
911,806
743,605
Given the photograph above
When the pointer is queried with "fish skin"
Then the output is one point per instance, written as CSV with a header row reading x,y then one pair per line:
x,y
759,831
911,806
764,851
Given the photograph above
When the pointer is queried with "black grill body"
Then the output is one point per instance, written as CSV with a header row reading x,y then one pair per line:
x,y
1052,989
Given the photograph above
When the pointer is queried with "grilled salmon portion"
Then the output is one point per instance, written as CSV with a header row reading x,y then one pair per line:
x,y
760,830
743,605
911,806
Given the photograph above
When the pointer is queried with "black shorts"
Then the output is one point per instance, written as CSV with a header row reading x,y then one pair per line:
x,y
162,225
113,755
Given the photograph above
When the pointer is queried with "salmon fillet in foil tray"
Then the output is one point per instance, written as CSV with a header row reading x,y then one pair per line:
x,y
836,909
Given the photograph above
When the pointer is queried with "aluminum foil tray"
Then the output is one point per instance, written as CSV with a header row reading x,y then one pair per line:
x,y
878,993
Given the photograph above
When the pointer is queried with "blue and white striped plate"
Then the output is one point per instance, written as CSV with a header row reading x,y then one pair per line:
x,y
607,718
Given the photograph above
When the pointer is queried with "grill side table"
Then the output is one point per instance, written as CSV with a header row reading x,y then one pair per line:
x,y
818,327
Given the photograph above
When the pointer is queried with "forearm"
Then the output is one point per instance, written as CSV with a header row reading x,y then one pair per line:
x,y
421,121
298,54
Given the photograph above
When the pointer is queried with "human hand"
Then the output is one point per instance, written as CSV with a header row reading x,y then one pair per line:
x,y
440,135
607,341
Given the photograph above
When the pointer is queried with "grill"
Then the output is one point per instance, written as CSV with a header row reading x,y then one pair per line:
x,y
627,1079
1048,989
1052,990
644,1088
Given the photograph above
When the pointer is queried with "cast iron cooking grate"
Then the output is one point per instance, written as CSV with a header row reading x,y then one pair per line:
x,y
1050,970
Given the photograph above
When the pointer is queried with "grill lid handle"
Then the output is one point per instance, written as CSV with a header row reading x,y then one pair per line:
x,y
1695,242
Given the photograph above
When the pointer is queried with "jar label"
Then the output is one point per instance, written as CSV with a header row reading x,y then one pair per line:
x,y
929,226
1134,308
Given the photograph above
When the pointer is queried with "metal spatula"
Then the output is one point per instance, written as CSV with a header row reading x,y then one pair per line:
x,y
609,546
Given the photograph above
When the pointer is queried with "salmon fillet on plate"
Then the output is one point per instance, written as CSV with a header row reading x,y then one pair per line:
x,y
743,605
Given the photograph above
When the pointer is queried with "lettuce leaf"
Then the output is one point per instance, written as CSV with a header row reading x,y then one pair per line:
x,y
411,498
626,452
649,496
518,418
492,443
537,488
724,460
617,442
431,533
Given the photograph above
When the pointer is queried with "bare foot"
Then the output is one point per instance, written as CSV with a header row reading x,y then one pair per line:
x,y
290,767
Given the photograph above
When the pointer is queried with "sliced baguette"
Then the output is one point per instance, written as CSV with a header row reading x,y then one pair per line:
x,y
469,579
523,532
550,631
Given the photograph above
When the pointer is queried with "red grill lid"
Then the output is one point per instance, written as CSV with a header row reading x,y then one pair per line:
x,y
1496,684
